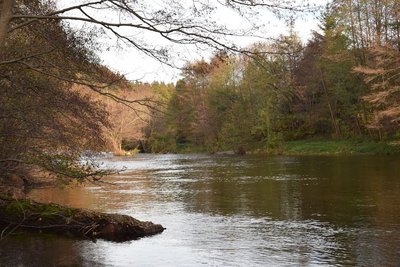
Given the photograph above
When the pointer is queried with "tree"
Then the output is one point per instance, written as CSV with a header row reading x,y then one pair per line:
x,y
234,102
127,124
370,23
374,28
329,92
43,121
382,75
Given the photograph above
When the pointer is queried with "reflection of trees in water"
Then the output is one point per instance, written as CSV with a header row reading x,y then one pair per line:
x,y
344,210
355,194
73,196
111,196
42,250
246,186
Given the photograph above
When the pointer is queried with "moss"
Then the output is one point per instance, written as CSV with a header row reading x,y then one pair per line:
x,y
25,207
51,218
17,207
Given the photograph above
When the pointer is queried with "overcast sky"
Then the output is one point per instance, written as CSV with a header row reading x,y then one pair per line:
x,y
137,66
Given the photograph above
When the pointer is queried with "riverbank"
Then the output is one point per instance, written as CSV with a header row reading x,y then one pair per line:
x,y
28,215
337,147
311,147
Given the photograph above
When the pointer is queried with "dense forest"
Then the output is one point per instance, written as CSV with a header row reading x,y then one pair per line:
x,y
343,83
58,102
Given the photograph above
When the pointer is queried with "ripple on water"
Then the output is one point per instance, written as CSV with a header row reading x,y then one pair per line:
x,y
239,211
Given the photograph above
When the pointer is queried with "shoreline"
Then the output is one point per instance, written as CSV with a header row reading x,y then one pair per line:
x,y
31,216
339,147
310,147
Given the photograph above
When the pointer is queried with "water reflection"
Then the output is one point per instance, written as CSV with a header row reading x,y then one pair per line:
x,y
240,211
35,250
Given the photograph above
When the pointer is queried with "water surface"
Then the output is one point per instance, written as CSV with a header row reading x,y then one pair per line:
x,y
234,211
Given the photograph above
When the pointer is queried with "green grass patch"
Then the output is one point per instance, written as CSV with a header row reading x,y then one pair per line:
x,y
332,147
20,207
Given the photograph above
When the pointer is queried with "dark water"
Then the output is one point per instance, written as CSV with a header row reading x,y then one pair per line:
x,y
235,211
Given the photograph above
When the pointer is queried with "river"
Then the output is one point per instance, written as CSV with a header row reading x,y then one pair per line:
x,y
233,211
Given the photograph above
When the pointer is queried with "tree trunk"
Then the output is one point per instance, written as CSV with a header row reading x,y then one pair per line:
x,y
367,41
334,123
6,7
353,27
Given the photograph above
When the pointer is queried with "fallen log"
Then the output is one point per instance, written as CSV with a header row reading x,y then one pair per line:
x,y
29,215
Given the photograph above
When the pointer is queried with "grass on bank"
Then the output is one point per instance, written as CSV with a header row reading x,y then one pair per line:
x,y
331,147
308,147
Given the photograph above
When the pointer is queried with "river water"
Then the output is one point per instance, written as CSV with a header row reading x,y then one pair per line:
x,y
234,211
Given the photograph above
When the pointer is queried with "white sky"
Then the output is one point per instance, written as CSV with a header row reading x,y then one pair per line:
x,y
137,66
